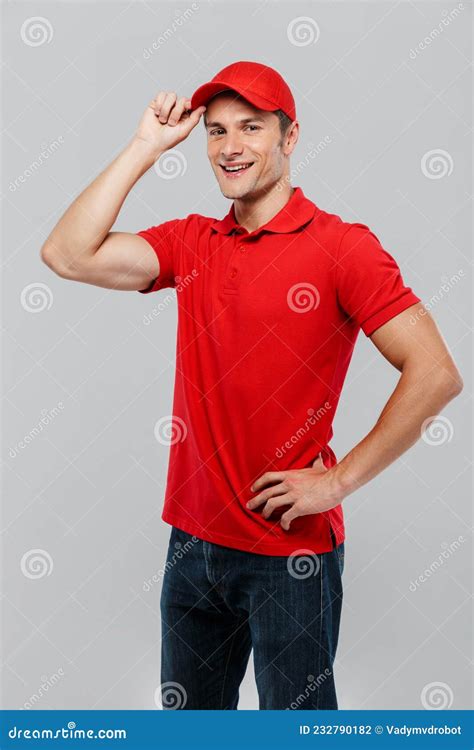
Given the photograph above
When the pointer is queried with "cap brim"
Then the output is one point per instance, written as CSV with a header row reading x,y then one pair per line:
x,y
205,92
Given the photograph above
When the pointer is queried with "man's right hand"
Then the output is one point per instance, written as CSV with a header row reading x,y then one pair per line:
x,y
82,246
167,121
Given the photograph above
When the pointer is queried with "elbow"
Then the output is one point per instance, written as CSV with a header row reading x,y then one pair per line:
x,y
444,380
450,384
52,257
459,385
49,257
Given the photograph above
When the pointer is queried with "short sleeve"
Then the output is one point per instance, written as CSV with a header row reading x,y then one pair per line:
x,y
369,284
164,239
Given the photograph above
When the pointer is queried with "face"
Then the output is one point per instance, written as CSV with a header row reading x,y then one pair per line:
x,y
245,147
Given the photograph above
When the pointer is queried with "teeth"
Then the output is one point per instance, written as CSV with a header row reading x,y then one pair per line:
x,y
236,169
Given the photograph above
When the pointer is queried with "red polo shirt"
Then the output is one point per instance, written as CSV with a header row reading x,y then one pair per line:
x,y
267,323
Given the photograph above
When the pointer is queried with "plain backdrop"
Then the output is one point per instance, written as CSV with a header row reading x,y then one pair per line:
x,y
385,90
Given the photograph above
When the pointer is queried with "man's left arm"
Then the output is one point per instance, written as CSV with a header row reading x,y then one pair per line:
x,y
429,380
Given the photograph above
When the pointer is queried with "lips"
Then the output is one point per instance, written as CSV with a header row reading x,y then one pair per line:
x,y
234,170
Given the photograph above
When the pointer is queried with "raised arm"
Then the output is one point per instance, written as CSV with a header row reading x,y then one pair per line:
x,y
81,246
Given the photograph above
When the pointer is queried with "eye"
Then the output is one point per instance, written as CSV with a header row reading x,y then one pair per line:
x,y
255,127
216,131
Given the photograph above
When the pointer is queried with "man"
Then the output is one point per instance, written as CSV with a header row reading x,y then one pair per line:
x,y
271,299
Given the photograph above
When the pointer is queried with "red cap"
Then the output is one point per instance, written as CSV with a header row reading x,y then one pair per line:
x,y
261,85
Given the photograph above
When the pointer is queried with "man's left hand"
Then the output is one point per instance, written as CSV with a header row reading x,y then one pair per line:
x,y
306,490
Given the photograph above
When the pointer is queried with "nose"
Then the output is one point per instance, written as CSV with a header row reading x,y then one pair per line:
x,y
231,145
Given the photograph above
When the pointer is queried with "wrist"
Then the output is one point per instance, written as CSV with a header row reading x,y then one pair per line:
x,y
143,152
339,485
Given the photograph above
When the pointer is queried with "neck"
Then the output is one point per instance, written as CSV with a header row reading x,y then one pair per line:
x,y
256,210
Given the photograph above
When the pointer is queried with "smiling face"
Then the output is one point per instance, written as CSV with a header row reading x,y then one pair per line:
x,y
245,146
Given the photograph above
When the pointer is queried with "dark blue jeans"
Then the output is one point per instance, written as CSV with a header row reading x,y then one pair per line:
x,y
217,603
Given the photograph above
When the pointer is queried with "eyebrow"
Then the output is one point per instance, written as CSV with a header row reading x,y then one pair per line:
x,y
244,121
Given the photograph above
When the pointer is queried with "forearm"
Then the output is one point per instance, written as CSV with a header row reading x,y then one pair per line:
x,y
417,397
84,226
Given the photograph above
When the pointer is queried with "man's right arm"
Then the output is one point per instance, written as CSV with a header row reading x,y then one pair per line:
x,y
81,246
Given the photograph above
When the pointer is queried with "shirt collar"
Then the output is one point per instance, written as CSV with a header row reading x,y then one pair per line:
x,y
298,211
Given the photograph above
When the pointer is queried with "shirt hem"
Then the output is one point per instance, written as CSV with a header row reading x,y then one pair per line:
x,y
245,545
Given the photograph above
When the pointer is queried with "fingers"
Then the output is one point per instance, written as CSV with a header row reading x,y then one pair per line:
x,y
169,108
167,103
196,114
157,102
269,476
288,517
162,104
275,503
177,111
277,489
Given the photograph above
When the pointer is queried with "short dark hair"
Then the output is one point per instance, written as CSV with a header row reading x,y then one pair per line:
x,y
284,121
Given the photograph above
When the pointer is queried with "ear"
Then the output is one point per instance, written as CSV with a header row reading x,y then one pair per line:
x,y
291,137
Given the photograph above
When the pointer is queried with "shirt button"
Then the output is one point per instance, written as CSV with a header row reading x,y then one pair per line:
x,y
233,273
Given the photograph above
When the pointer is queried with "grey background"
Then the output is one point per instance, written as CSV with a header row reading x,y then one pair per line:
x,y
88,488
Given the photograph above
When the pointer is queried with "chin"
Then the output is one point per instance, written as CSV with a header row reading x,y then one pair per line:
x,y
233,194
236,191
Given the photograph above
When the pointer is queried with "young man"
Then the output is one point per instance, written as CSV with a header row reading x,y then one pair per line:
x,y
271,299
